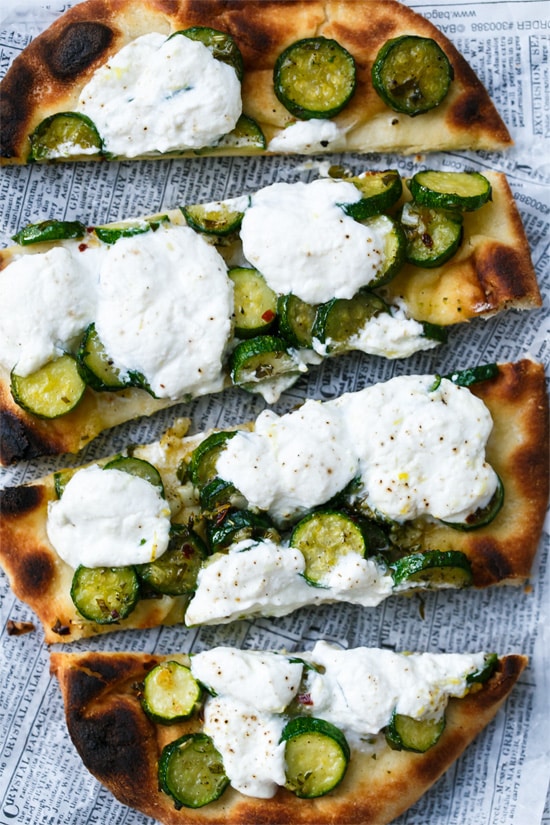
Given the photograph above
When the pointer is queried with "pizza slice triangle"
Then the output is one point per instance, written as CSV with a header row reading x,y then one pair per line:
x,y
272,737
242,77
167,532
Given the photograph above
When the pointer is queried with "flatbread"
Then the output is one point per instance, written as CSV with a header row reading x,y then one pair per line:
x,y
491,272
49,74
121,747
500,553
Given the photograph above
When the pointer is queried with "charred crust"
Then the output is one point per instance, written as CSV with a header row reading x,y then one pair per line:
x,y
16,501
489,562
18,441
15,107
34,573
76,48
500,271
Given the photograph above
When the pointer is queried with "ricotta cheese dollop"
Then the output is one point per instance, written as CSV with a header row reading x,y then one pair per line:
x,y
308,137
300,239
46,300
108,518
164,310
160,94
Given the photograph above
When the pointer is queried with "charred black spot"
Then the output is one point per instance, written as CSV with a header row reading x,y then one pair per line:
x,y
499,273
78,45
14,108
35,573
489,563
14,501
17,441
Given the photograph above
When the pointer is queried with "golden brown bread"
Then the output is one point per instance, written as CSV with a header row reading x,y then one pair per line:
x,y
121,747
49,74
500,553
491,272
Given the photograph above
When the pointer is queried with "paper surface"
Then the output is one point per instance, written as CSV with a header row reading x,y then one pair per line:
x,y
503,778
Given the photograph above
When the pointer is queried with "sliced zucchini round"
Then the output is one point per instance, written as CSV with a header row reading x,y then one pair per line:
x,y
65,130
314,78
47,231
433,568
434,332
341,319
221,44
202,467
255,303
465,191
233,526
316,756
484,515
96,366
262,358
217,494
296,319
213,219
323,538
473,375
137,467
191,771
112,232
485,672
170,693
60,480
395,248
433,235
52,391
412,74
175,572
409,734
379,190
105,595
246,136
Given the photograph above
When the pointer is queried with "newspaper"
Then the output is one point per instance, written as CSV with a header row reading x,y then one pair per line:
x,y
502,778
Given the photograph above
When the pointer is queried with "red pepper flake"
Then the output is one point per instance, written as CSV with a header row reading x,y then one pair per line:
x,y
82,247
305,699
427,240
268,316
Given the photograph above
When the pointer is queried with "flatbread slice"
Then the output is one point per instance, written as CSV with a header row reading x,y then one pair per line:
x,y
500,551
48,77
121,746
491,271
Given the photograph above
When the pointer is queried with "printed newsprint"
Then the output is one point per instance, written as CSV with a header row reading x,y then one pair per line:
x,y
503,778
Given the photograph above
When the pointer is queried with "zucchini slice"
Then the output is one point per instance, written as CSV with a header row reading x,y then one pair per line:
x,y
473,375
485,672
57,133
105,595
262,358
379,190
112,232
314,78
484,515
254,301
316,756
221,44
60,480
246,136
435,567
395,248
466,191
213,219
137,467
218,494
202,467
96,366
296,319
409,734
323,538
191,771
52,391
170,693
50,230
433,235
175,572
412,74
233,526
340,319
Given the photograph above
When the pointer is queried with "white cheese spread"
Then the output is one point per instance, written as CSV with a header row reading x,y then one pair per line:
x,y
164,310
267,579
290,463
108,518
356,690
46,300
161,94
308,137
417,451
302,242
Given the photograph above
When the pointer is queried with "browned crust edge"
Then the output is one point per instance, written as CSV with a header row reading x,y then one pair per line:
x,y
47,76
501,553
120,747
